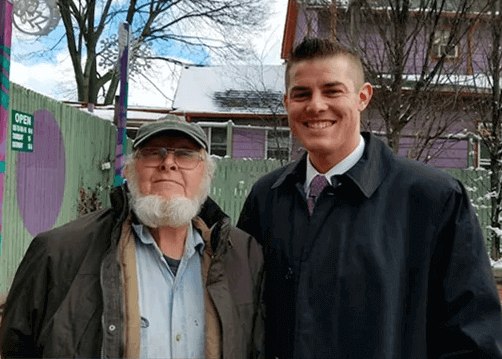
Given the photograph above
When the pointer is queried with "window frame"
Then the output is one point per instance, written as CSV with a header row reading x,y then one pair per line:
x,y
210,143
481,161
289,143
439,45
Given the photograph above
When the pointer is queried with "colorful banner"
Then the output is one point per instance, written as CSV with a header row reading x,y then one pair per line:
x,y
124,37
5,44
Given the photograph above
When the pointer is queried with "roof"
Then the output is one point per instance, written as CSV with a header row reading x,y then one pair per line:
x,y
323,2
449,5
243,89
136,115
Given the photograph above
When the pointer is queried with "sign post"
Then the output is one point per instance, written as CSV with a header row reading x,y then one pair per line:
x,y
124,38
5,44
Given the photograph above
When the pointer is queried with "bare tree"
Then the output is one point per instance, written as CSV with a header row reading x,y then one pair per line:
x,y
410,50
413,52
259,92
161,30
485,108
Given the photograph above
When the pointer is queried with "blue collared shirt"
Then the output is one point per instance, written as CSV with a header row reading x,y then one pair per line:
x,y
171,307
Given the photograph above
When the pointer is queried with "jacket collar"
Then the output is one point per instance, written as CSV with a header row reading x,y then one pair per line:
x,y
216,221
119,199
367,174
295,173
211,213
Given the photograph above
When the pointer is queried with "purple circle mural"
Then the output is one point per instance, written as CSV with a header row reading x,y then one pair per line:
x,y
41,175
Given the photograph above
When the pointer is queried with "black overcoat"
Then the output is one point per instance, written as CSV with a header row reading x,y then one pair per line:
x,y
392,264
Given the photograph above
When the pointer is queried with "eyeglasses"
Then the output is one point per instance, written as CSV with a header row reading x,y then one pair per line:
x,y
154,156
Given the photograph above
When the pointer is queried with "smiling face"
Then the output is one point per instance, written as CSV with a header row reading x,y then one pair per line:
x,y
324,100
167,180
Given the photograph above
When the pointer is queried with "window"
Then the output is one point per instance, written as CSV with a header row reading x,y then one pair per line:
x,y
217,141
482,151
484,155
278,144
440,46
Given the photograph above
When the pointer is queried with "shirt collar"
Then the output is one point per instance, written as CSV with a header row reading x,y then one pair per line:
x,y
338,169
193,242
367,174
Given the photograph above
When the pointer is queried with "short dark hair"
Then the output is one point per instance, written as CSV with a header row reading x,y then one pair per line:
x,y
315,48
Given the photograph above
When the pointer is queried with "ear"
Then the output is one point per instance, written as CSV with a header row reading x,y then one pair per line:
x,y
365,94
285,98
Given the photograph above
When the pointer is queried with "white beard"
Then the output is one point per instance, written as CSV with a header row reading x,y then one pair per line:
x,y
155,211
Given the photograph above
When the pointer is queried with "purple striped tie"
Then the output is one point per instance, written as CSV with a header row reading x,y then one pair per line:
x,y
316,187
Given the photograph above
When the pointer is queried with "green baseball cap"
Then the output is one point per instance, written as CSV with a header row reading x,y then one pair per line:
x,y
170,123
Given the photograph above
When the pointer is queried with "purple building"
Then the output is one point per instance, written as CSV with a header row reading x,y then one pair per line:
x,y
240,108
445,48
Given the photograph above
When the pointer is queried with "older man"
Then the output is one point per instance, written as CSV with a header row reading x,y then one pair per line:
x,y
160,274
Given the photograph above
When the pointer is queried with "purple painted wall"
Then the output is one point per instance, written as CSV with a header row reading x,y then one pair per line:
x,y
248,143
41,175
453,154
444,153
372,46
482,45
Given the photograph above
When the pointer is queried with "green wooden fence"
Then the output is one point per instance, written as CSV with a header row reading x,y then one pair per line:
x,y
233,180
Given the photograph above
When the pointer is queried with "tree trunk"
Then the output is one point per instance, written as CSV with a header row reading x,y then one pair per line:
x,y
393,138
495,210
93,90
495,155
112,89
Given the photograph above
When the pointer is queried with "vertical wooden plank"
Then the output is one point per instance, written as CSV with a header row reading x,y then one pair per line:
x,y
233,180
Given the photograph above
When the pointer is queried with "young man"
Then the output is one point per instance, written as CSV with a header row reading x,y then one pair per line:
x,y
367,255
160,274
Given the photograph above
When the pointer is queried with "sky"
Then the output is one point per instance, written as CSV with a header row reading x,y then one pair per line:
x,y
54,77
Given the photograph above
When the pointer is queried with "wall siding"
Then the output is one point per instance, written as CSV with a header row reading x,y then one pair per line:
x,y
248,143
42,187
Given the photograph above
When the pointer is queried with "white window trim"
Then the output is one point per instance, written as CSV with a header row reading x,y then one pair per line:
x,y
265,129
209,138
482,162
283,129
440,42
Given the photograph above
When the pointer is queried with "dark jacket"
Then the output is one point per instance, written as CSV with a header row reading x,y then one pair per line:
x,y
67,297
392,264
